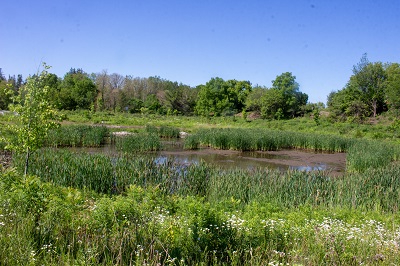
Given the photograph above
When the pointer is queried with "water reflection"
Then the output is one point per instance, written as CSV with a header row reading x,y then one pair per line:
x,y
292,160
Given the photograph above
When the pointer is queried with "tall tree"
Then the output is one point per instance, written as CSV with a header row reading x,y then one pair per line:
x,y
288,98
102,83
370,78
77,91
219,97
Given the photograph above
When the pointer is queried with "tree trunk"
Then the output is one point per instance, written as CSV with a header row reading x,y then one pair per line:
x,y
27,161
374,107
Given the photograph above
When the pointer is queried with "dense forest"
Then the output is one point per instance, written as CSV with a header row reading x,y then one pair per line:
x,y
373,88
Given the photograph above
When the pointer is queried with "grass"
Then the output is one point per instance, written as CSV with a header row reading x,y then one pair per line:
x,y
372,189
267,140
163,131
383,127
46,224
138,143
77,136
361,154
126,209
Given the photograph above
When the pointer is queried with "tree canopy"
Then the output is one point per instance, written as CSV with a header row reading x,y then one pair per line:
x,y
372,89
284,99
220,97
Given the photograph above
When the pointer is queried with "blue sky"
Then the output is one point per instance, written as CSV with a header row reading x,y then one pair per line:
x,y
193,41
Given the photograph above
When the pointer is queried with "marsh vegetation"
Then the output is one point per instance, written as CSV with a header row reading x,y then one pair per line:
x,y
120,208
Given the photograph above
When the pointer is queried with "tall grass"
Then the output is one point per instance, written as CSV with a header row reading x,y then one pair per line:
x,y
361,154
265,140
138,143
365,154
113,174
163,131
372,189
77,136
43,224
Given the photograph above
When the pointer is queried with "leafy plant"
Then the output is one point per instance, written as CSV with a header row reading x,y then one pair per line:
x,y
35,116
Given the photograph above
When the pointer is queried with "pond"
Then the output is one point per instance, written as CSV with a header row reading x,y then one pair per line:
x,y
335,163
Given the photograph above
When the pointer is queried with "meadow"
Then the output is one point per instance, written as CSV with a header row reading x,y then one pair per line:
x,y
125,209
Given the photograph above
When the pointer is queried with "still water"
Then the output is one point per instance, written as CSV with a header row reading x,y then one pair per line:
x,y
282,160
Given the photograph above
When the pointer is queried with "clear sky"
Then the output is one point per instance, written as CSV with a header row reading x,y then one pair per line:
x,y
191,41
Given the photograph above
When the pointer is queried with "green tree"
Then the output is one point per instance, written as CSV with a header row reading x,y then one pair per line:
x,y
77,91
364,94
36,116
370,78
346,103
392,87
253,101
219,97
6,94
273,102
284,99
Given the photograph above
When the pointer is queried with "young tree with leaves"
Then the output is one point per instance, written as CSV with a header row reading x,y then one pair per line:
x,y
35,116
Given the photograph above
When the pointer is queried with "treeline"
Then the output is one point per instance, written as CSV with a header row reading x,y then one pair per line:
x,y
218,97
373,88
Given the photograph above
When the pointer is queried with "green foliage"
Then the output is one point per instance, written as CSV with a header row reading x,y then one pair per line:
x,y
220,97
370,91
370,154
35,116
283,100
163,131
77,91
254,99
266,140
6,94
196,215
392,92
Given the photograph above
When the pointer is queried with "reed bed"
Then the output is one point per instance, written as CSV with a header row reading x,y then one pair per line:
x,y
361,154
77,136
340,221
365,154
163,131
372,189
140,142
267,140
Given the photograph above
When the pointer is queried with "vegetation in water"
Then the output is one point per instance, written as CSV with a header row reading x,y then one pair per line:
x,y
96,209
77,136
361,154
138,143
122,209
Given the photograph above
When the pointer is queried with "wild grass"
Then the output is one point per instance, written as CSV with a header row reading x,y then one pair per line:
x,y
77,136
44,224
361,154
163,131
140,142
267,140
124,209
383,127
373,189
